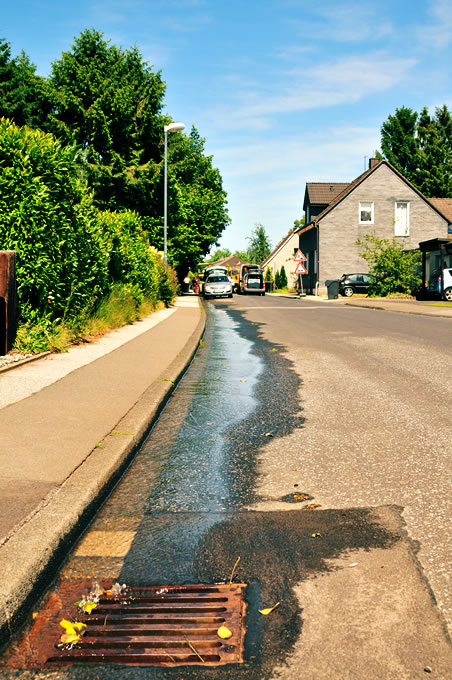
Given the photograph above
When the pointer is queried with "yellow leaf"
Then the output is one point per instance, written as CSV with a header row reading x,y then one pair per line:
x,y
89,606
69,639
224,632
71,627
268,611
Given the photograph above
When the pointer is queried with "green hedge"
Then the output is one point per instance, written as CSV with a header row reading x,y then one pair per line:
x,y
69,255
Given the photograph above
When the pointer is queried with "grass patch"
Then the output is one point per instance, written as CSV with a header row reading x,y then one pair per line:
x,y
118,309
439,304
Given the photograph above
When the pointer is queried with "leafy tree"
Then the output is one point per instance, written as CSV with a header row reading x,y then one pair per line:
x,y
260,246
218,254
283,277
242,255
278,284
268,275
197,206
396,270
420,147
398,142
435,153
297,224
24,97
108,102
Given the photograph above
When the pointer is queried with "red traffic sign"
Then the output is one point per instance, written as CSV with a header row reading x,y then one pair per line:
x,y
299,257
300,269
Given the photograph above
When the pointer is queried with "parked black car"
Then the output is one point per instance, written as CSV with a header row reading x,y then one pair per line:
x,y
355,283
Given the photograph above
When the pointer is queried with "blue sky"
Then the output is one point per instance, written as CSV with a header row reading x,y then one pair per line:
x,y
285,91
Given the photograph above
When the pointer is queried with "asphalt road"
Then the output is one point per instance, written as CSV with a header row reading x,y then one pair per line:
x,y
285,396
375,392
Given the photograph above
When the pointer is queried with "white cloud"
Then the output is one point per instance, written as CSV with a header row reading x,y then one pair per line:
x,y
266,181
349,79
353,22
439,33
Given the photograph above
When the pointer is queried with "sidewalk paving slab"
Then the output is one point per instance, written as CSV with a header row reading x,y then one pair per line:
x,y
64,446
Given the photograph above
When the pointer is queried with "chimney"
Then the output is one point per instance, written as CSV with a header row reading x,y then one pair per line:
x,y
373,162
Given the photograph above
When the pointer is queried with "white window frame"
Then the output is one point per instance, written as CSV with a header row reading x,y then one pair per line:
x,y
362,203
397,228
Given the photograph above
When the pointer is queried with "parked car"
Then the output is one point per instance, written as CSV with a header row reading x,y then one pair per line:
x,y
355,283
243,271
217,285
434,283
253,283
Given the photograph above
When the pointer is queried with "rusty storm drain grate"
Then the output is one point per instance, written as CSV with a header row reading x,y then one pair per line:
x,y
152,626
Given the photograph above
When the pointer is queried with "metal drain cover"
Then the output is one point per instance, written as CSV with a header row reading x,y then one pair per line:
x,y
153,626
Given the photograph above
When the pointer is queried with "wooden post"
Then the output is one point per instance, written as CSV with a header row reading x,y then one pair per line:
x,y
7,300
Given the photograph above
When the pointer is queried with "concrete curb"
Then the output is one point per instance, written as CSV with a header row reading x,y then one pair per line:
x,y
16,364
399,311
32,555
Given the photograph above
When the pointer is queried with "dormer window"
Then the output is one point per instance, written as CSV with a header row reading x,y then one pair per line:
x,y
366,212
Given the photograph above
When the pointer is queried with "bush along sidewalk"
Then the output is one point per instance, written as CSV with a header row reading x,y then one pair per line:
x,y
75,264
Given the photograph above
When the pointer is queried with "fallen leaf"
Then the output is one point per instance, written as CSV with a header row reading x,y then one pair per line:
x,y
268,611
242,380
274,349
224,632
353,564
311,506
89,606
73,632
268,434
119,432
316,535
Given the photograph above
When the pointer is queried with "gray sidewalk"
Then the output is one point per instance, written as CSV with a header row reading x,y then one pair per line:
x,y
425,308
69,426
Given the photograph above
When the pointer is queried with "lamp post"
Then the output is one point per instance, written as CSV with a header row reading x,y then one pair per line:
x,y
172,127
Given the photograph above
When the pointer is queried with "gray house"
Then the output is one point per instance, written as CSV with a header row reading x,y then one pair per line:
x,y
380,200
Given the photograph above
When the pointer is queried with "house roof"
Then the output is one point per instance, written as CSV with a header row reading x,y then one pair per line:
x,y
231,260
280,245
444,205
322,193
356,182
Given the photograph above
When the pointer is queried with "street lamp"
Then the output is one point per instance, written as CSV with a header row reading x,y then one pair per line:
x,y
172,127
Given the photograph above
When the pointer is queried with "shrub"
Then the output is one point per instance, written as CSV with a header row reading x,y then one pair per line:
x,y
47,217
69,255
283,278
395,270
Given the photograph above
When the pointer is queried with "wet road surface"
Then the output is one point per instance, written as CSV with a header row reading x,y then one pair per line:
x,y
193,500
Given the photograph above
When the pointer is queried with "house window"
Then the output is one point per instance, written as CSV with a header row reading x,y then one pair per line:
x,y
366,212
402,218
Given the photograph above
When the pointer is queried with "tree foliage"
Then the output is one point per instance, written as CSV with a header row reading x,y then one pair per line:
x,y
259,244
25,97
218,254
283,277
107,101
69,255
395,270
420,147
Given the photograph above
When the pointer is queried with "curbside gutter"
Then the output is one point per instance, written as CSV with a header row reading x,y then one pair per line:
x,y
31,556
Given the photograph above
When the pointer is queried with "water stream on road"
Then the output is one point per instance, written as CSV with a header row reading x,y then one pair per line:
x,y
184,479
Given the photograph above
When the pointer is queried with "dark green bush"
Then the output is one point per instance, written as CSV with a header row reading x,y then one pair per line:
x,y
69,255
47,216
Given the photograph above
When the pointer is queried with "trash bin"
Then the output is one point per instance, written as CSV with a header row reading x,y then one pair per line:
x,y
268,286
333,288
